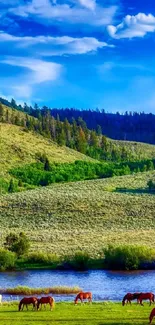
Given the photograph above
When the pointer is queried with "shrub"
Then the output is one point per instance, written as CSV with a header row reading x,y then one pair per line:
x,y
7,260
80,261
17,243
43,258
127,257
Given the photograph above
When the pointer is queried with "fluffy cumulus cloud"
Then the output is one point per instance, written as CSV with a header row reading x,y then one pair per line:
x,y
49,46
133,26
72,12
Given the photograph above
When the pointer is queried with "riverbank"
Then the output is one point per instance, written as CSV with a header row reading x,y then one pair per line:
x,y
106,313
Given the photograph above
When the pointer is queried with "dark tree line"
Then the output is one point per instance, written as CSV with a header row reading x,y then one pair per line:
x,y
72,132
128,126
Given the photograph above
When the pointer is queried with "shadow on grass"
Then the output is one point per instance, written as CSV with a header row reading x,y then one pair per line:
x,y
134,191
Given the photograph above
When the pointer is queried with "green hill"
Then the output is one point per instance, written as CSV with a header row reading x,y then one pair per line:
x,y
85,215
19,147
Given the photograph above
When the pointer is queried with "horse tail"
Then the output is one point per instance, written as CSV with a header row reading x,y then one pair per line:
x,y
20,305
153,297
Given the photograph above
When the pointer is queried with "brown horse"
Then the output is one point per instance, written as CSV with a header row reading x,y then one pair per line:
x,y
82,296
130,296
28,301
152,314
146,296
46,300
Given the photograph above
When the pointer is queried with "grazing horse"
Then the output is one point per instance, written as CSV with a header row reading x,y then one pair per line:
x,y
130,296
152,314
28,301
145,296
0,299
46,300
82,296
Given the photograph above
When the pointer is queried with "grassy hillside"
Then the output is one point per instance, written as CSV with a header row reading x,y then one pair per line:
x,y
139,149
19,147
85,215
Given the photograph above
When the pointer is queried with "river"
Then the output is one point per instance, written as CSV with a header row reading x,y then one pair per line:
x,y
105,285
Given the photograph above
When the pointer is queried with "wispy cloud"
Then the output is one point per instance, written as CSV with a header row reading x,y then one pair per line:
x,y
133,26
75,12
49,46
38,71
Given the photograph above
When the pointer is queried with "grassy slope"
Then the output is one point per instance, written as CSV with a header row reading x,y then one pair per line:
x,y
67,313
142,150
83,215
19,147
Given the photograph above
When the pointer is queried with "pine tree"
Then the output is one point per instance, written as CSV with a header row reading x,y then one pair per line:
x,y
47,165
1,111
81,143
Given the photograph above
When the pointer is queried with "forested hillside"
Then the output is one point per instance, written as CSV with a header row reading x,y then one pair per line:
x,y
131,126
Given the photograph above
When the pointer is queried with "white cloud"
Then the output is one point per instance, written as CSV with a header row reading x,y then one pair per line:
x,y
39,71
49,46
133,26
77,12
90,4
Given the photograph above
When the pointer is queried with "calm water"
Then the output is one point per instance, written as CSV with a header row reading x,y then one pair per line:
x,y
104,285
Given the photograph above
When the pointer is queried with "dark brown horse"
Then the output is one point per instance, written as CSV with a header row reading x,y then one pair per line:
x,y
28,301
146,296
44,301
82,296
129,297
152,314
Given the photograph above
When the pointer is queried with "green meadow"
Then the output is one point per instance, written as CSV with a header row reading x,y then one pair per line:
x,y
106,313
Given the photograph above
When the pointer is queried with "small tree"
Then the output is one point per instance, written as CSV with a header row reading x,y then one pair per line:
x,y
47,165
1,111
151,185
18,244
11,187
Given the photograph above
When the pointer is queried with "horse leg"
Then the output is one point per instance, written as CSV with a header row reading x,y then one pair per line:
x,y
150,302
141,302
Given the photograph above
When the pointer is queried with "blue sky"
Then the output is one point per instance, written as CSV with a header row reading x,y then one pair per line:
x,y
79,53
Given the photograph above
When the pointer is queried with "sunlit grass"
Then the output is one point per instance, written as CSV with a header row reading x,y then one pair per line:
x,y
105,313
88,215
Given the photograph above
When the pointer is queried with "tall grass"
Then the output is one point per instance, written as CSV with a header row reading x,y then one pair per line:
x,y
22,290
128,257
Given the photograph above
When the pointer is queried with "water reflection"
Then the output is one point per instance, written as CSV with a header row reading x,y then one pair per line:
x,y
105,285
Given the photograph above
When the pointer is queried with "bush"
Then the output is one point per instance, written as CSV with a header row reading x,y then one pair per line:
x,y
127,257
80,261
17,243
7,260
43,259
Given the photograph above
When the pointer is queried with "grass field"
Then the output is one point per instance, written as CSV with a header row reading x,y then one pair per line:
x,y
88,215
18,147
106,313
